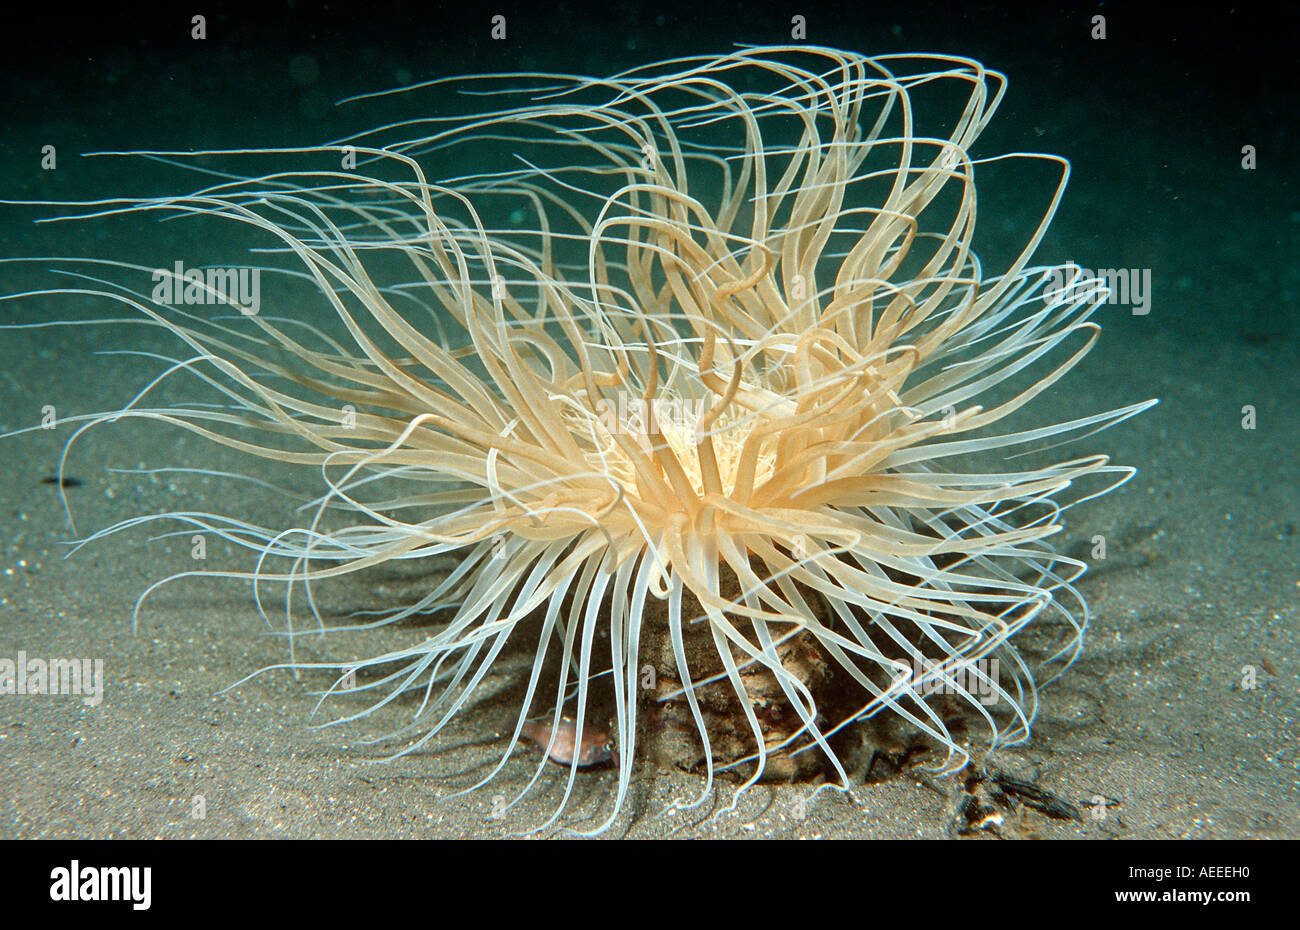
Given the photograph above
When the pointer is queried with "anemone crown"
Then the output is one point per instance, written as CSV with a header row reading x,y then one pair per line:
x,y
698,357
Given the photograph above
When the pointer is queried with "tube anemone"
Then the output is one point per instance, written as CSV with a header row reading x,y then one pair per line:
x,y
696,377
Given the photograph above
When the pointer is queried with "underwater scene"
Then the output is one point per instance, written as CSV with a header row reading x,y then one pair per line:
x,y
649,421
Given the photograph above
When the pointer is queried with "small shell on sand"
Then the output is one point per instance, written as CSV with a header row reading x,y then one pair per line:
x,y
595,748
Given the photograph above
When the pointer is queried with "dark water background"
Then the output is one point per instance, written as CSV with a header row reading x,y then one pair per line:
x,y
1154,117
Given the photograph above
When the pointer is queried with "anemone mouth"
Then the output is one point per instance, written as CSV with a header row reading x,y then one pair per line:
x,y
699,360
